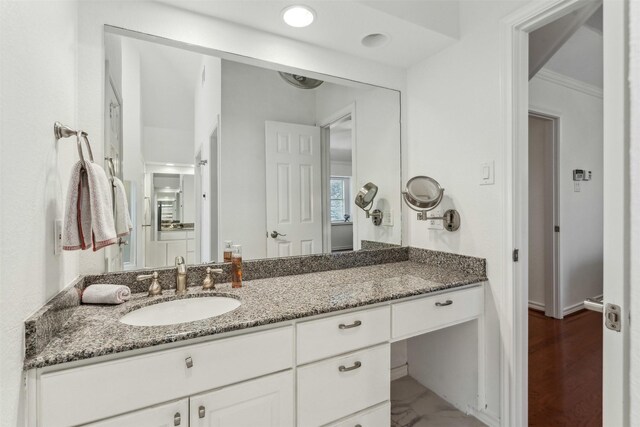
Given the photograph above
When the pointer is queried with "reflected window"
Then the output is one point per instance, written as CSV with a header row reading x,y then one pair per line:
x,y
339,192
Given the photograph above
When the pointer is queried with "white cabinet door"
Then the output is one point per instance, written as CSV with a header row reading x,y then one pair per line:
x,y
165,415
265,402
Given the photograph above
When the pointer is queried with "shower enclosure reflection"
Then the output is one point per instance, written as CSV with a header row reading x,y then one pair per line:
x,y
219,148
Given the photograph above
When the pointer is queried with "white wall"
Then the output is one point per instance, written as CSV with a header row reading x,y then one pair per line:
x,y
581,213
377,128
250,96
210,33
38,63
454,125
168,145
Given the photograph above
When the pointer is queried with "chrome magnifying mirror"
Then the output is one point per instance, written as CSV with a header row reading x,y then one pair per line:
x,y
423,194
364,200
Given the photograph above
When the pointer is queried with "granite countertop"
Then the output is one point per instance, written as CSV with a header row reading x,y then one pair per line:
x,y
95,330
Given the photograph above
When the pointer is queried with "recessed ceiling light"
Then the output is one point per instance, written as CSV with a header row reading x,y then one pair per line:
x,y
375,40
298,16
169,164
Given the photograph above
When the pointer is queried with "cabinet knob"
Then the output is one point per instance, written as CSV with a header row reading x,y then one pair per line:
x,y
189,362
176,419
201,411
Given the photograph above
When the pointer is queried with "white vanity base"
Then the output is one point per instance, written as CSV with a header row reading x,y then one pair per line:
x,y
332,369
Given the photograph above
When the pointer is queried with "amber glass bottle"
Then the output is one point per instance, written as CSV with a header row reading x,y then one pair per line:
x,y
236,267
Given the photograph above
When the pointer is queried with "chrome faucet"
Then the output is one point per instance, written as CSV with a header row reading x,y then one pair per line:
x,y
181,276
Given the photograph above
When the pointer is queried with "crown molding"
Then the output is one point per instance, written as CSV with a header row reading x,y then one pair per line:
x,y
571,83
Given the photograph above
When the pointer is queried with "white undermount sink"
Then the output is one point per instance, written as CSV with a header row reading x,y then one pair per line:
x,y
180,311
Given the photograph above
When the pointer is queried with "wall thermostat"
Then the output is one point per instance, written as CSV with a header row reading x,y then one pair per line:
x,y
578,174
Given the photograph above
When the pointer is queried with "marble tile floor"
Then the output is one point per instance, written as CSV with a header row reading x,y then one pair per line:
x,y
413,405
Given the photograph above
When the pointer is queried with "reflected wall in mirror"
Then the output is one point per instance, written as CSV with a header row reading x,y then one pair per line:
x,y
215,148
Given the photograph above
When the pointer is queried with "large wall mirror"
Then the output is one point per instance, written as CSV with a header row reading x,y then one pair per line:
x,y
215,148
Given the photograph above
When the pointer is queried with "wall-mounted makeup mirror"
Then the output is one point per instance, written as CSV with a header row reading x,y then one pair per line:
x,y
423,194
364,200
214,147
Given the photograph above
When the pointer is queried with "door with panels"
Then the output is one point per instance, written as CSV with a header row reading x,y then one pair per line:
x,y
264,402
293,189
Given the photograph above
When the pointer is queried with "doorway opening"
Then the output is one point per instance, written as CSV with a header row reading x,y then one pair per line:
x,y
544,290
340,231
558,217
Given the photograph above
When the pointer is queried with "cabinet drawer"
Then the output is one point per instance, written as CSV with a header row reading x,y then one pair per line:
x,y
431,313
380,416
112,388
319,339
168,414
335,388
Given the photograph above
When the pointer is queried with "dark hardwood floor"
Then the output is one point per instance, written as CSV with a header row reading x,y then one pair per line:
x,y
565,370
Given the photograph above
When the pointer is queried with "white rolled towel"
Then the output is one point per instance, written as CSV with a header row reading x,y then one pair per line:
x,y
106,294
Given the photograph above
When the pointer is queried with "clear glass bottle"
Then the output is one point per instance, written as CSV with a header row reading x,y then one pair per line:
x,y
228,250
236,266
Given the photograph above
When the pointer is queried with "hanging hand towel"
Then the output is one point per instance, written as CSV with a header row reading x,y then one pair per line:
x,y
103,230
106,294
122,218
77,219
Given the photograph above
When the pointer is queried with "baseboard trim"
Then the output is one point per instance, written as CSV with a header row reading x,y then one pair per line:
x,y
575,307
399,372
536,306
489,418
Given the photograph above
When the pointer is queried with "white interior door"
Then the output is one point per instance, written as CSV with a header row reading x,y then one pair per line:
x,y
293,189
616,349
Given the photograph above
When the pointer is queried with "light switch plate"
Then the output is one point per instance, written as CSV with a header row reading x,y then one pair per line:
x,y
487,173
435,224
576,186
387,218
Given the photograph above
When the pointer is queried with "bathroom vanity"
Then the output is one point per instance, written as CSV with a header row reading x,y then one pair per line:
x,y
301,350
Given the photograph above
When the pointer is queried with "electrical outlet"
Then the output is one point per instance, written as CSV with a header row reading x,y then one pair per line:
x,y
57,237
576,186
435,224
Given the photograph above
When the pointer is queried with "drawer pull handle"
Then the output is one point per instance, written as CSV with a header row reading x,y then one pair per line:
x,y
189,362
350,368
201,411
176,419
443,304
353,325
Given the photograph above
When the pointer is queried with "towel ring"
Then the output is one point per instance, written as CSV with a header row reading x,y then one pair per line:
x,y
83,135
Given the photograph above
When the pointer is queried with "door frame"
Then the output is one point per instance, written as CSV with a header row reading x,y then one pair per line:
x,y
514,44
553,291
324,125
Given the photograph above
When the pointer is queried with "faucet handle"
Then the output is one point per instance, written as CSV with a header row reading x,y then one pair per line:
x,y
154,288
208,283
142,277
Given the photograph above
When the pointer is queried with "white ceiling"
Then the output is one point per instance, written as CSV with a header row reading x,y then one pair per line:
x,y
417,29
580,57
